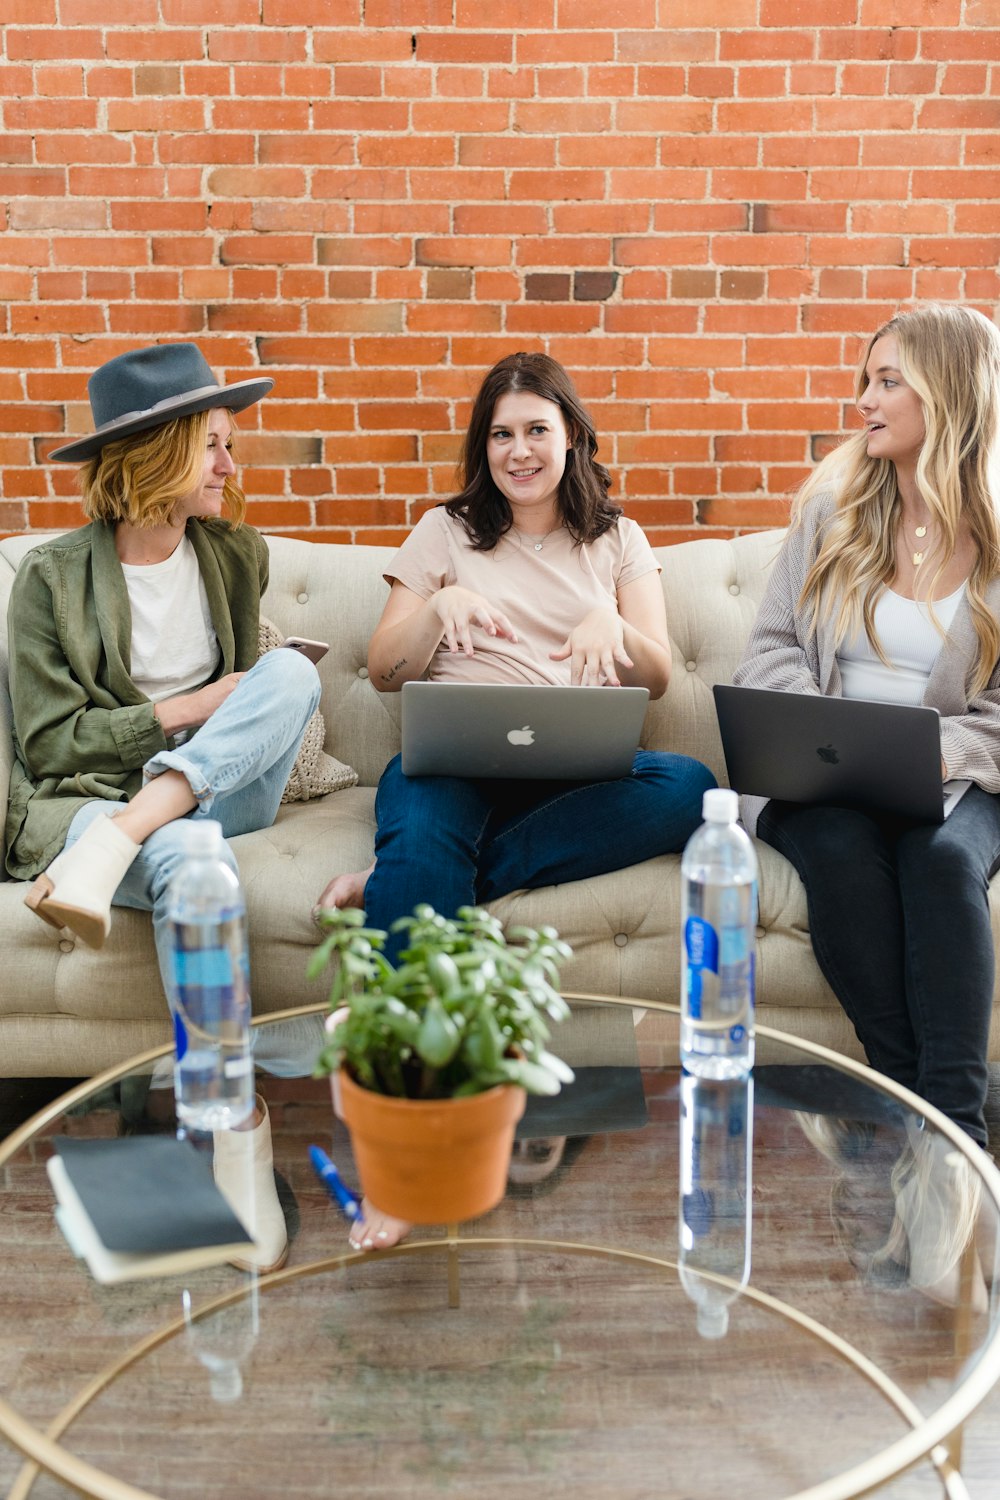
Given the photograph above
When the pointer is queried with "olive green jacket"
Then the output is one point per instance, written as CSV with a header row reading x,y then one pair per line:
x,y
82,729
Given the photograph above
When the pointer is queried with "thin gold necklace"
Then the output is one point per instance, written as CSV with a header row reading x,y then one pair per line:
x,y
920,532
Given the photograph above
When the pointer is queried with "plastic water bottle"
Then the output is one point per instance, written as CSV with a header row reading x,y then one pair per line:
x,y
718,930
716,1196
210,992
222,1341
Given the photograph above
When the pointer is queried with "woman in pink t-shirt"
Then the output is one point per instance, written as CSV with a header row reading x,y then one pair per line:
x,y
529,575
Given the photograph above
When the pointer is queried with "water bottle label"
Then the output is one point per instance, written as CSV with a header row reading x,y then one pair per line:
x,y
203,968
702,946
180,1035
698,1212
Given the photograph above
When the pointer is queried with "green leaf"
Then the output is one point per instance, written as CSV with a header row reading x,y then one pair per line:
x,y
438,1038
531,1076
556,1066
442,971
485,1044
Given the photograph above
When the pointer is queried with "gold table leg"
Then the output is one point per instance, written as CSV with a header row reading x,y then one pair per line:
x,y
454,1298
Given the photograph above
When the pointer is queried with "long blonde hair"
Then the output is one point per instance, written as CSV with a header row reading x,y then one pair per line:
x,y
140,479
950,356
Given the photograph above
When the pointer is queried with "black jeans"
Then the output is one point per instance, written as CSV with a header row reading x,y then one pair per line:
x,y
900,925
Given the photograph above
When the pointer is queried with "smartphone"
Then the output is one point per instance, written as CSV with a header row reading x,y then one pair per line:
x,y
315,650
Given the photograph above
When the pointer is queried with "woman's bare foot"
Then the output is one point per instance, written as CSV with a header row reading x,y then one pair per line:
x,y
344,890
374,1230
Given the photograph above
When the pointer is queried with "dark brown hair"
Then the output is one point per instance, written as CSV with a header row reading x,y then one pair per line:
x,y
583,506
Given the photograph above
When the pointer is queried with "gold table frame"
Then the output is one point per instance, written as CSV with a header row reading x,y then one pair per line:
x,y
937,1437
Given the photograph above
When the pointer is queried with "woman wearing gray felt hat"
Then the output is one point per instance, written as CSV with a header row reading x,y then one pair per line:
x,y
140,707
134,644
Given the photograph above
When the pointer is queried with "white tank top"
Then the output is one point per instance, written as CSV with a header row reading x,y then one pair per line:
x,y
911,642
174,645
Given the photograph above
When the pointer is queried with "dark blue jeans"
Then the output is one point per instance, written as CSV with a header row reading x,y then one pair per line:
x,y
900,925
456,842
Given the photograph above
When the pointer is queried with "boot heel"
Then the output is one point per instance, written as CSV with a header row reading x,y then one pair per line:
x,y
37,899
92,927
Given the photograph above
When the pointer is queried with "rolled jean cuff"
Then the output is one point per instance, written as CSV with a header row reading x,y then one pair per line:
x,y
173,760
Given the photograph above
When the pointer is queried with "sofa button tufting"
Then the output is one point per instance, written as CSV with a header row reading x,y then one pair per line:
x,y
362,671
66,945
621,938
761,931
692,666
303,598
734,588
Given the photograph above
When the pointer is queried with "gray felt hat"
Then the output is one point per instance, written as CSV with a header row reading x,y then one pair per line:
x,y
148,387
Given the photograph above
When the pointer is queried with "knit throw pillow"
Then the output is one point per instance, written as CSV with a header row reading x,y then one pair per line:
x,y
314,773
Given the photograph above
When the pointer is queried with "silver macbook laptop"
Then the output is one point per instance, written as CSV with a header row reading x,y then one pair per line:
x,y
542,733
802,747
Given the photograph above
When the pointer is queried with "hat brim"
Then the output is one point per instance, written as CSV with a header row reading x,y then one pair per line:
x,y
233,397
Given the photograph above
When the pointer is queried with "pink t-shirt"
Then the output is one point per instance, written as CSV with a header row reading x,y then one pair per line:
x,y
544,594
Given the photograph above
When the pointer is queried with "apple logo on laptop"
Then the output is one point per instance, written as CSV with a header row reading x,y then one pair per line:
x,y
525,736
829,754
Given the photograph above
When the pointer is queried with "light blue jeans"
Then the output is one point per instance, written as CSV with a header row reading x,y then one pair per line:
x,y
237,765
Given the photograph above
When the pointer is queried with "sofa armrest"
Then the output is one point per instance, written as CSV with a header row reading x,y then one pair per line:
x,y
6,762
12,549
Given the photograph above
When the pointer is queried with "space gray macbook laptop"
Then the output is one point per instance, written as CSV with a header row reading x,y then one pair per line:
x,y
802,747
542,733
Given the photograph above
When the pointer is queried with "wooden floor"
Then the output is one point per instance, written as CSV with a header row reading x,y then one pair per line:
x,y
567,1375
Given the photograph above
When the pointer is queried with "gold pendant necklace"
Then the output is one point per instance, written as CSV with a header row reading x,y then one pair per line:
x,y
918,557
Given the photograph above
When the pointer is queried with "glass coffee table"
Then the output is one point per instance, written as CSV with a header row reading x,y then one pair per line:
x,y
591,1337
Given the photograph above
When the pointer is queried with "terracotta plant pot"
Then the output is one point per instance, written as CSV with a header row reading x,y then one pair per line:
x,y
431,1161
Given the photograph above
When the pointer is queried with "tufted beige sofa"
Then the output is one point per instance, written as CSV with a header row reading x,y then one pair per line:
x,y
66,1010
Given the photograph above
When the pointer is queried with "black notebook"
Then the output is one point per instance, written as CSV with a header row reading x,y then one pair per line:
x,y
142,1206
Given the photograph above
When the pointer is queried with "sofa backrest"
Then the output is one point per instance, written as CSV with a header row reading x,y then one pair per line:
x,y
712,590
336,592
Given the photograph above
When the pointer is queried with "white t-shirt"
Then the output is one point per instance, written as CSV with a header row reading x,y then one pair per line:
x,y
910,640
174,645
544,594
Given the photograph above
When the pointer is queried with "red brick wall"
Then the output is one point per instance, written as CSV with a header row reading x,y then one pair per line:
x,y
374,199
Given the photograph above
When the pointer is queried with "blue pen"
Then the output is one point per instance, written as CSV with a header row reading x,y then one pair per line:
x,y
334,1184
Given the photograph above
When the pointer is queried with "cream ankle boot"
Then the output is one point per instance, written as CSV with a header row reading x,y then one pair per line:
x,y
244,1171
938,1205
77,888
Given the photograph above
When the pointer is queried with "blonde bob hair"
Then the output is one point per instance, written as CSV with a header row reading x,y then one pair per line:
x,y
950,357
140,479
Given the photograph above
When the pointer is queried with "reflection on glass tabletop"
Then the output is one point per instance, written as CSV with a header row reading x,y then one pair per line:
x,y
765,1289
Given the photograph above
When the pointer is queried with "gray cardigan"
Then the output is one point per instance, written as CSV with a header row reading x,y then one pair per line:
x,y
781,653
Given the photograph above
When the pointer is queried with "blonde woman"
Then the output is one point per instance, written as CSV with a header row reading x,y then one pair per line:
x,y
888,587
138,698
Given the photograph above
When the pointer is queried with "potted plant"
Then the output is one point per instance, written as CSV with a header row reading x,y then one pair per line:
x,y
430,1060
